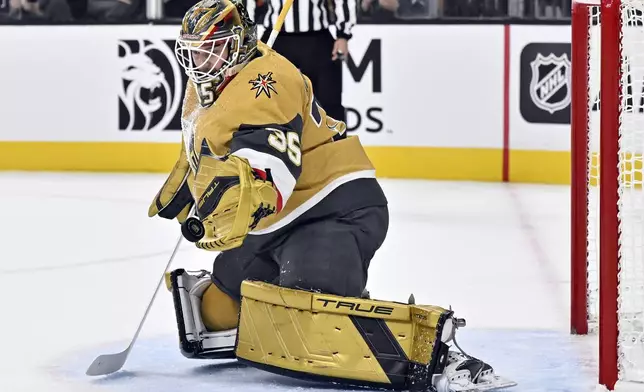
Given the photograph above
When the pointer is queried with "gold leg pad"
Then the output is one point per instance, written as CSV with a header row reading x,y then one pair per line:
x,y
318,335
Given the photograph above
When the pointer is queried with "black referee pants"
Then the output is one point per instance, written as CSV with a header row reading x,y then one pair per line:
x,y
311,53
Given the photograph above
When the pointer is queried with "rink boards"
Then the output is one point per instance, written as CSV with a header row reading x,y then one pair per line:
x,y
467,102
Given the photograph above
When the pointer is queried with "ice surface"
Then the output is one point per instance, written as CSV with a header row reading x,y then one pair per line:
x,y
538,360
81,258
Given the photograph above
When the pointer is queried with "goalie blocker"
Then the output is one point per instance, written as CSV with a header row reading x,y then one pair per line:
x,y
324,337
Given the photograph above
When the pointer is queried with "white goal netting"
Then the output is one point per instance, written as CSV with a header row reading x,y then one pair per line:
x,y
630,290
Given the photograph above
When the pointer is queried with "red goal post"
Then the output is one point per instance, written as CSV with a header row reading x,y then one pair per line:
x,y
607,227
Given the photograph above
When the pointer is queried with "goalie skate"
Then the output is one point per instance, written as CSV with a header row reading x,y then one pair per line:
x,y
463,373
195,340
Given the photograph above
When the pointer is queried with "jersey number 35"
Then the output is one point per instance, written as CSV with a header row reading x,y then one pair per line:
x,y
286,142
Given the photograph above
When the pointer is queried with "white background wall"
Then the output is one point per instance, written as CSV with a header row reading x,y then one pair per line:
x,y
442,85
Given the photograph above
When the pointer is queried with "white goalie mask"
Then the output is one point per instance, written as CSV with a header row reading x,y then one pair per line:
x,y
208,60
217,38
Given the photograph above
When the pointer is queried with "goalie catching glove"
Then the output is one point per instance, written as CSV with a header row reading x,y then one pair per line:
x,y
233,198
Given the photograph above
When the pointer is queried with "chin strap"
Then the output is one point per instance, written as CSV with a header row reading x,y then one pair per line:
x,y
229,74
232,71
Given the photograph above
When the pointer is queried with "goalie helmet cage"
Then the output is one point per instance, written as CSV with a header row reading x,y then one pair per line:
x,y
607,289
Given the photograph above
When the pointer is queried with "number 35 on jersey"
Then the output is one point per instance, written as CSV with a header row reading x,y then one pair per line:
x,y
286,142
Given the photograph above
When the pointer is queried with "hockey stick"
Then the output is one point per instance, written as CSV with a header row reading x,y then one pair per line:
x,y
110,363
278,24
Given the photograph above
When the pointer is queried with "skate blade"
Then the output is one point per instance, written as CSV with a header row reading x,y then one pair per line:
x,y
493,382
489,383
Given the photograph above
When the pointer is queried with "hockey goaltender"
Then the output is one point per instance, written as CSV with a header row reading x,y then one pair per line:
x,y
269,180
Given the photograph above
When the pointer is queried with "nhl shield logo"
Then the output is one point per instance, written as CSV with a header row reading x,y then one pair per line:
x,y
550,83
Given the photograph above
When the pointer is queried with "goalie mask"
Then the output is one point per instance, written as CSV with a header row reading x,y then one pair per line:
x,y
217,38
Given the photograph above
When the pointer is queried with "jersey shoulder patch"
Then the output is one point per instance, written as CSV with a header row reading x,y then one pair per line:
x,y
263,84
268,90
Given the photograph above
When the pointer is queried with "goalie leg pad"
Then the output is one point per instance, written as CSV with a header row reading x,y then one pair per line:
x,y
349,340
354,341
195,340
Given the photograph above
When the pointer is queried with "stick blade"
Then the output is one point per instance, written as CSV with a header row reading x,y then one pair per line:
x,y
107,364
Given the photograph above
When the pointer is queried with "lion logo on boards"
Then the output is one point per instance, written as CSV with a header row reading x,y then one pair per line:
x,y
151,88
550,83
263,84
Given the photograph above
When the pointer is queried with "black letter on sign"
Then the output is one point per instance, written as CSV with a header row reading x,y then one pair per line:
x,y
373,56
358,118
372,117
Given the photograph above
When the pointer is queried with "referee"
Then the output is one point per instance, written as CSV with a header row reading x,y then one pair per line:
x,y
305,39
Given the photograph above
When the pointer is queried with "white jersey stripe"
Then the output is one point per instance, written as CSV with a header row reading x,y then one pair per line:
x,y
318,197
282,177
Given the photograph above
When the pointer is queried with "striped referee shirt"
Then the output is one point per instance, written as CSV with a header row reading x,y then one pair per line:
x,y
310,15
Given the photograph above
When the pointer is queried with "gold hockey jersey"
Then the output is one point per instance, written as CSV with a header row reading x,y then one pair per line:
x,y
268,115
